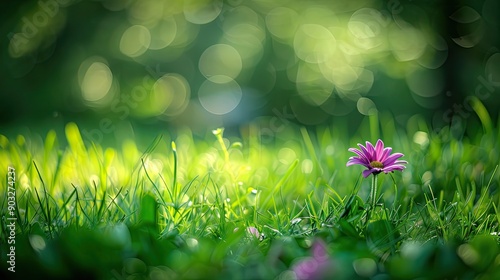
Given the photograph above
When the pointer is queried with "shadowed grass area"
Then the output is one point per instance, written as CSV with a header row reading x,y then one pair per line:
x,y
245,207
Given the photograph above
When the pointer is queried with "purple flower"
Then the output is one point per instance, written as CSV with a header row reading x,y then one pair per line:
x,y
317,266
253,231
377,159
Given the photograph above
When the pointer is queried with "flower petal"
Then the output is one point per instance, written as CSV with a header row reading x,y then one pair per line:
x,y
392,159
319,252
367,172
360,163
371,150
393,168
366,153
355,160
387,151
358,152
362,148
253,231
379,148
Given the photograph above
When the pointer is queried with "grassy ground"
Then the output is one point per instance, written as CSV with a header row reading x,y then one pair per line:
x,y
249,206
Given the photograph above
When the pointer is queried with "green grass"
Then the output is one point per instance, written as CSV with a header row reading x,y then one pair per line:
x,y
187,207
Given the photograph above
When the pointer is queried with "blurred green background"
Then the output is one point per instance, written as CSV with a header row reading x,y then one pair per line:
x,y
211,63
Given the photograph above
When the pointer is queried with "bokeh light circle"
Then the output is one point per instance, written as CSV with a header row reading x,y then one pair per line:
x,y
366,106
365,23
202,12
170,94
220,98
248,40
220,60
146,13
313,87
239,15
245,30
163,34
95,79
407,43
470,32
426,82
282,22
314,43
492,69
435,54
135,41
367,27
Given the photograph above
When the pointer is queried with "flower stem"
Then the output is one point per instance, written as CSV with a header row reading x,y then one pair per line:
x,y
373,193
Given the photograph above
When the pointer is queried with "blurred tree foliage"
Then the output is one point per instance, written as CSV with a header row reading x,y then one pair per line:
x,y
207,63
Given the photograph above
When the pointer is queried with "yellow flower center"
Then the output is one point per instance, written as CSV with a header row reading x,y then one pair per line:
x,y
376,164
